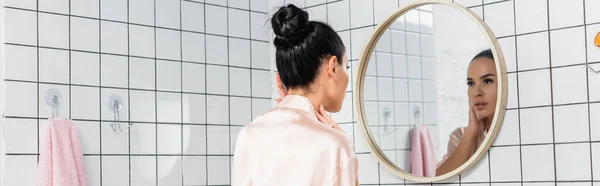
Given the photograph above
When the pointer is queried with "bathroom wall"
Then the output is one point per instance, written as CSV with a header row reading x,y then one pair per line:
x,y
189,73
550,133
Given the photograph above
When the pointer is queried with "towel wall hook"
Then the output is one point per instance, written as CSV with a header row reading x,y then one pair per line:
x,y
53,99
115,105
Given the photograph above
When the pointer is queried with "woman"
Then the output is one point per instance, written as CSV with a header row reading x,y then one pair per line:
x,y
297,143
482,92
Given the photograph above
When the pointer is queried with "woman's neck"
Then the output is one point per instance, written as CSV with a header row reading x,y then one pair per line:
x,y
315,99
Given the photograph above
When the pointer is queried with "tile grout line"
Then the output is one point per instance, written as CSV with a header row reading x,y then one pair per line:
x,y
551,90
181,87
128,93
518,96
155,99
205,97
100,83
589,112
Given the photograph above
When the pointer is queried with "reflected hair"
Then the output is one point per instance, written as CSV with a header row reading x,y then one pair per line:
x,y
485,53
301,45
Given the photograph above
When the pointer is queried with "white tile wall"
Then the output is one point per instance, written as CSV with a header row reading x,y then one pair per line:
x,y
549,137
180,67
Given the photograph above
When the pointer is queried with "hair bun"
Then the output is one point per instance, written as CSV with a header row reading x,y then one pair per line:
x,y
289,23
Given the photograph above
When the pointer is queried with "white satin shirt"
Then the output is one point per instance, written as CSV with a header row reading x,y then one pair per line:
x,y
288,146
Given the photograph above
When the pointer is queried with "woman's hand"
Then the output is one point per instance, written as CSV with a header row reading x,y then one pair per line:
x,y
475,123
324,118
280,88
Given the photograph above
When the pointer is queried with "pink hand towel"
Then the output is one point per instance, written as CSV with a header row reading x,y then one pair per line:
x,y
423,157
61,158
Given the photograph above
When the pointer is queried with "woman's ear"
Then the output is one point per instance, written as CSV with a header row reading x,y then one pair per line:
x,y
332,65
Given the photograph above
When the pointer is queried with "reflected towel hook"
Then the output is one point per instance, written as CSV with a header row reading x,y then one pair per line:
x,y
386,115
53,99
417,114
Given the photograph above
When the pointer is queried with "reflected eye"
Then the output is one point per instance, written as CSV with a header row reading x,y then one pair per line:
x,y
347,67
470,83
488,81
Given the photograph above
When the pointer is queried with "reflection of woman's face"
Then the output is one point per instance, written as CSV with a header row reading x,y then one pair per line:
x,y
483,89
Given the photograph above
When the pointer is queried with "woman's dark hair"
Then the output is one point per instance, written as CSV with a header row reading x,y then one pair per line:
x,y
301,45
486,53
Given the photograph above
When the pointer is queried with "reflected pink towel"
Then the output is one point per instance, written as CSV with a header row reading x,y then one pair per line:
x,y
423,157
61,158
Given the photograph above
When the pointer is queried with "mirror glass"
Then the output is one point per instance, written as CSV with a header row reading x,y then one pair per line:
x,y
426,92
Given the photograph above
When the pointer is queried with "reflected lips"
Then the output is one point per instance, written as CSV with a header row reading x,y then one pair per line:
x,y
479,105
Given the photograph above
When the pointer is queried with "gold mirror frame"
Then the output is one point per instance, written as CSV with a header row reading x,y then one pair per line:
x,y
501,97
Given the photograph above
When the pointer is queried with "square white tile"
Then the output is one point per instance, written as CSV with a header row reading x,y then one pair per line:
x,y
338,15
22,62
170,170
168,75
194,139
194,78
595,121
383,9
317,13
53,30
115,170
429,91
233,134
26,4
20,27
142,73
85,68
415,90
368,163
141,12
240,52
143,170
168,138
261,55
573,162
569,120
260,28
167,13
426,22
400,66
536,125
241,106
239,81
168,107
534,88
238,23
53,65
89,136
565,13
85,34
22,167
55,6
214,2
414,67
505,164
193,47
538,163
85,102
261,106
370,88
569,85
21,135
114,141
141,41
92,170
531,15
513,99
594,83
217,24
596,160
260,87
500,18
218,140
20,99
217,53
359,39
260,5
168,44
217,77
115,10
385,88
412,21
192,16
413,44
533,51
384,44
218,170
194,170
194,108
510,53
143,105
384,64
566,49
143,138
217,110
45,111
113,37
509,134
114,71
591,15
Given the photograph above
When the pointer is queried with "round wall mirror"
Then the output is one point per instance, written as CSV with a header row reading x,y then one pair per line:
x,y
431,90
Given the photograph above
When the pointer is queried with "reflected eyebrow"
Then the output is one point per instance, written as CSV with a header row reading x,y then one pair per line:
x,y
482,77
